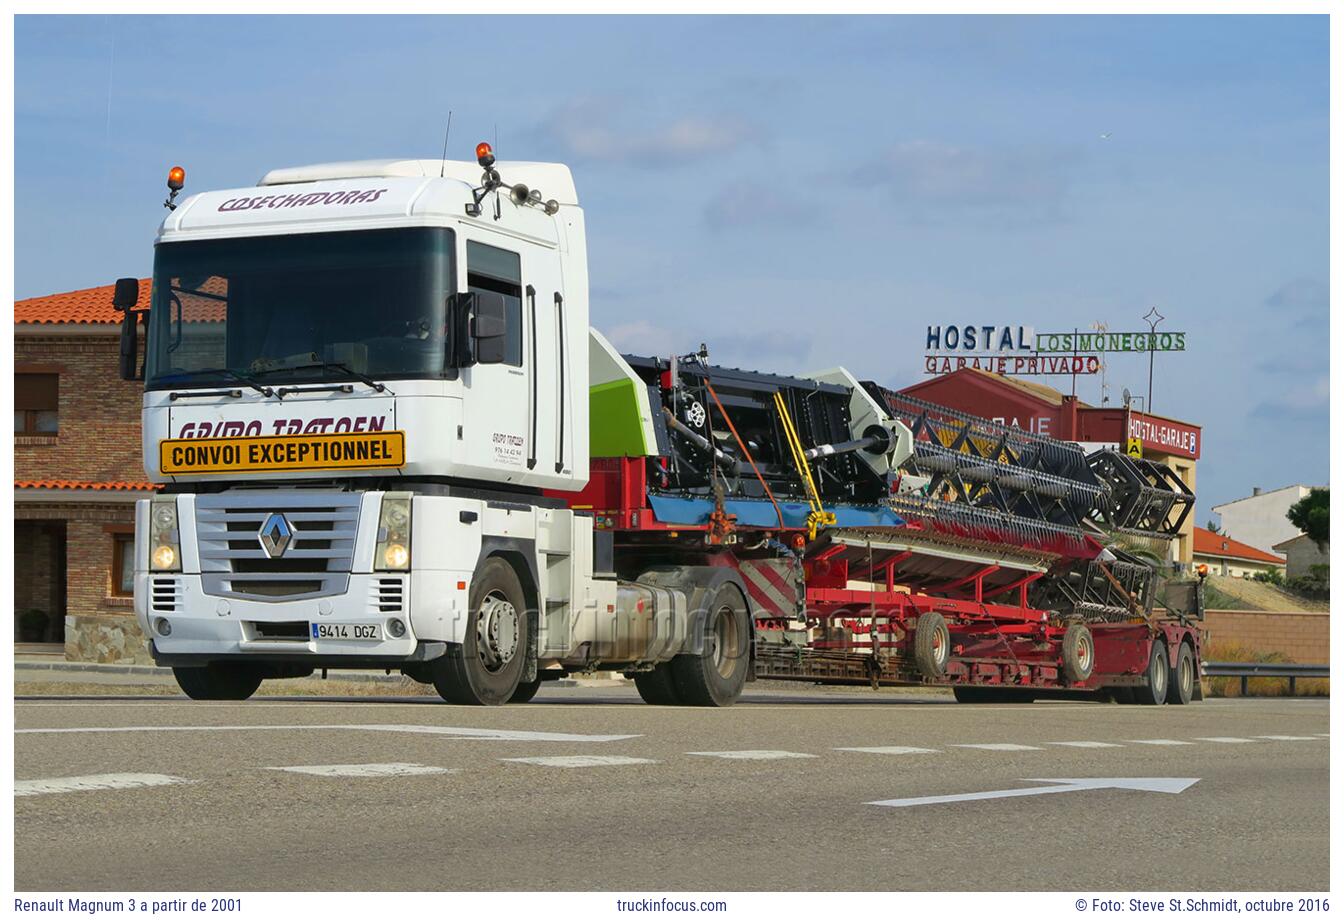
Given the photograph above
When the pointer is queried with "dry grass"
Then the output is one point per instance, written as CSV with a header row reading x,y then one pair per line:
x,y
1256,686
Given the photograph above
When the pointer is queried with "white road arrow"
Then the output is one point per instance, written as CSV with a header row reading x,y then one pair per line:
x,y
1168,784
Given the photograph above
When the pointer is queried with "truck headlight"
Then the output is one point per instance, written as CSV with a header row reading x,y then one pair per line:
x,y
165,553
393,552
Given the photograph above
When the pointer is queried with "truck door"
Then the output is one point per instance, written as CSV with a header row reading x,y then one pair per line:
x,y
496,414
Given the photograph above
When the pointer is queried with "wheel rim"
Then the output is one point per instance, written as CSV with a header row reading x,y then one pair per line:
x,y
496,631
1159,676
940,647
1084,655
727,642
1187,676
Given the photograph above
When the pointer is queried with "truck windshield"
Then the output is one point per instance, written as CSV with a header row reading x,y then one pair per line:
x,y
308,307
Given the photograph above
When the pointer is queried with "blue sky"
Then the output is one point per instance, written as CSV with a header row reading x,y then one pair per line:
x,y
797,192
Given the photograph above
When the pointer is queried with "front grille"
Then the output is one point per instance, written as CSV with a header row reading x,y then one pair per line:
x,y
388,595
165,595
316,563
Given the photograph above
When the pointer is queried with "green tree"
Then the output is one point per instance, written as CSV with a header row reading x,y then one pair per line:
x,y
1311,515
1213,528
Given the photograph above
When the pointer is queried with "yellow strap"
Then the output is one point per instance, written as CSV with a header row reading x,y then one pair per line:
x,y
819,515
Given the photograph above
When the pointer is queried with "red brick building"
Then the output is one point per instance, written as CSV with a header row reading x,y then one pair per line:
x,y
1045,410
77,474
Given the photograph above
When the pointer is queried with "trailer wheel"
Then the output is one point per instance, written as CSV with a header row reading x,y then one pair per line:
x,y
933,645
1078,653
1181,680
484,670
716,676
526,691
1154,692
219,680
658,687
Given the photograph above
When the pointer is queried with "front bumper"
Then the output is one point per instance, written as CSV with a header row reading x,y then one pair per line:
x,y
207,627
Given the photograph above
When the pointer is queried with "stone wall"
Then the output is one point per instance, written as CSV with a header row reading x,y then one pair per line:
x,y
111,639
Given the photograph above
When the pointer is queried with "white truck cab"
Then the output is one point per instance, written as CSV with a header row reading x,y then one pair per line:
x,y
359,378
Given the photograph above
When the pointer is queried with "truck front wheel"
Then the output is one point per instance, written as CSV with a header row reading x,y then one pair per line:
x,y
716,676
485,669
219,680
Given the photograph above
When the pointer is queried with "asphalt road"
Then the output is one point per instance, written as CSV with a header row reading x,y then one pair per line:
x,y
429,796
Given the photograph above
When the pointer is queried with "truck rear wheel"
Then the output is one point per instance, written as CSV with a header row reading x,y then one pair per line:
x,y
933,644
219,680
484,670
1078,653
716,676
1154,692
658,687
1181,680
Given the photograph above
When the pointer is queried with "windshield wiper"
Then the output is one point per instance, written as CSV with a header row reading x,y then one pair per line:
x,y
241,378
335,365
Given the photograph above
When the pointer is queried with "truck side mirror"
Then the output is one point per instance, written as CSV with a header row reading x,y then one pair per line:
x,y
126,294
488,326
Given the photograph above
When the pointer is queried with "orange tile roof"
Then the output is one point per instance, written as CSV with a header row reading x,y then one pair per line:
x,y
1208,543
112,486
1039,390
90,305
94,305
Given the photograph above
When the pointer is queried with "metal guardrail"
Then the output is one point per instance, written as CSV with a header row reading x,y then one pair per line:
x,y
1248,669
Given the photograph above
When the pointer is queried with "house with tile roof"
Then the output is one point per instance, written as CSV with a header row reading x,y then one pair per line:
x,y
77,474
1225,556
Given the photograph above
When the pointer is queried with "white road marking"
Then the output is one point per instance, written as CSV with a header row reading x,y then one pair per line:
x,y
1000,747
1164,741
892,749
96,781
751,755
365,769
1229,740
1322,734
579,760
1170,785
470,734
1286,737
1085,744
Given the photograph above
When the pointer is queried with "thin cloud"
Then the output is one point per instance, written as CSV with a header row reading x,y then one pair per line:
x,y
751,204
936,178
602,131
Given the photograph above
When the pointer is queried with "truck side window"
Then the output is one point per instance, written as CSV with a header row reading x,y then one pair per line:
x,y
492,269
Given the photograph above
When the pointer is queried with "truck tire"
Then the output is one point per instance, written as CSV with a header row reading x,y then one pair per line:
x,y
219,680
1154,692
1078,652
526,691
933,645
658,687
484,669
716,676
1181,680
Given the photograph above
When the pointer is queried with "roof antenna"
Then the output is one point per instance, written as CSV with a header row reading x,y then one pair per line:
x,y
443,161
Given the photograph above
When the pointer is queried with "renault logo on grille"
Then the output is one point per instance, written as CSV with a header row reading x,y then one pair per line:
x,y
275,535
